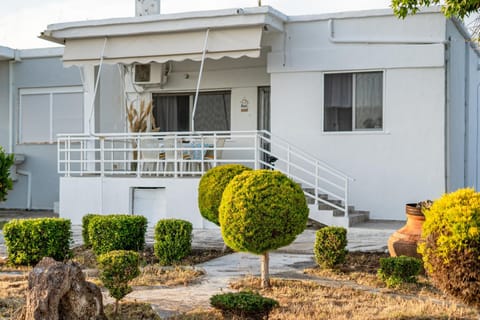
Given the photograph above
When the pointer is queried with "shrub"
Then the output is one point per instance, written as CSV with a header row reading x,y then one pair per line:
x,y
6,183
330,246
450,245
117,232
173,240
85,222
246,305
395,271
29,240
117,268
211,187
262,210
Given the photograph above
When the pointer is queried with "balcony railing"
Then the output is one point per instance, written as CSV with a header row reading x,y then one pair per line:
x,y
187,154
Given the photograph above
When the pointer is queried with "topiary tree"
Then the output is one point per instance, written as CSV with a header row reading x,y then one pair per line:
x,y
173,240
260,211
451,245
117,268
211,187
330,246
6,183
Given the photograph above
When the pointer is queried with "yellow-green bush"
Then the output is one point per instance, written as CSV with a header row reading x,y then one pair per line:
x,y
211,187
330,246
451,244
29,240
262,210
85,222
6,183
173,240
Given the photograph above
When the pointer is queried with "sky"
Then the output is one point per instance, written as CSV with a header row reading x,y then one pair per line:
x,y
21,21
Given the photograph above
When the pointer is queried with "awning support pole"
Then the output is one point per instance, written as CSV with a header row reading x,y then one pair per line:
x,y
199,79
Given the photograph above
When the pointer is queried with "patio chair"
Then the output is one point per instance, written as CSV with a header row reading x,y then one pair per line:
x,y
149,159
172,161
211,155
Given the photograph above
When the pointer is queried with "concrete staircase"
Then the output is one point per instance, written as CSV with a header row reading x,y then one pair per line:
x,y
330,216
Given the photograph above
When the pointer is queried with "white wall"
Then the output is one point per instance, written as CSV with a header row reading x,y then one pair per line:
x,y
82,195
403,163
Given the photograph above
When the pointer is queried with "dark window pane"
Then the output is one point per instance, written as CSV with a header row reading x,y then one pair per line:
x,y
368,100
213,112
338,102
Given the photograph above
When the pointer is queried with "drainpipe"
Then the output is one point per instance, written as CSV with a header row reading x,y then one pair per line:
x,y
199,79
27,174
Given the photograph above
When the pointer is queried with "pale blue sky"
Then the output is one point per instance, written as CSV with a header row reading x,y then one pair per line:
x,y
21,21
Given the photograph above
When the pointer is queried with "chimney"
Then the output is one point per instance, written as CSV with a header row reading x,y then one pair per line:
x,y
147,7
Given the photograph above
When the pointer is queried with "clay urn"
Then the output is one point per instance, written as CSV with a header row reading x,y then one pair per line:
x,y
403,242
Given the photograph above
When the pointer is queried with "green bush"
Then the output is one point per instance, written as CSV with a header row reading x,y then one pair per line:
x,y
211,187
117,268
262,210
173,240
330,246
450,246
85,222
395,271
6,183
117,232
246,305
29,240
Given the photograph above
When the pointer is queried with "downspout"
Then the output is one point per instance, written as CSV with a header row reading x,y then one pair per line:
x,y
466,147
446,117
11,79
204,51
27,174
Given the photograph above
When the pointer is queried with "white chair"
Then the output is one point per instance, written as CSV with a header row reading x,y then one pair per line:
x,y
174,158
211,155
149,155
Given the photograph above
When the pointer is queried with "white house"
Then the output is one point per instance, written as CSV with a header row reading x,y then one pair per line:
x,y
361,108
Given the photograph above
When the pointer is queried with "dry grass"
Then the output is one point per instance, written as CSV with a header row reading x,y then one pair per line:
x,y
132,310
155,275
12,294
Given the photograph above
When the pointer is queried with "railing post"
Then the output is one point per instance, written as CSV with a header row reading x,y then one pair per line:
x,y
139,151
316,183
68,156
288,160
175,157
256,151
102,156
346,197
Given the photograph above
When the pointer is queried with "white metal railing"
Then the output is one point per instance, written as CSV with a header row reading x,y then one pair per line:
x,y
186,154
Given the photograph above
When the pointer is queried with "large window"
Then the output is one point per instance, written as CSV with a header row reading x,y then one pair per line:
x,y
46,112
174,112
353,101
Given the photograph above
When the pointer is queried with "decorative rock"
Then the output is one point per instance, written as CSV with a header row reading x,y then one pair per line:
x,y
59,290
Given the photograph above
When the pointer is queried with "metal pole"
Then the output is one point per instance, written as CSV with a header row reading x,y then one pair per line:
x,y
199,79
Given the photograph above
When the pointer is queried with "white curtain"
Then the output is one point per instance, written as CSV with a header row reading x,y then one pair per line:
x,y
368,100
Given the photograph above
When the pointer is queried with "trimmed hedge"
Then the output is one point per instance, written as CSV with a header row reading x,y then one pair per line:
x,y
450,245
117,268
173,240
330,246
211,187
395,271
29,240
85,222
262,210
117,232
246,305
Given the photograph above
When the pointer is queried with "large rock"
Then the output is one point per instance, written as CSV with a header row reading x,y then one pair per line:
x,y
59,291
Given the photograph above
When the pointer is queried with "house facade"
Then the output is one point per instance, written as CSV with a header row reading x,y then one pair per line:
x,y
358,117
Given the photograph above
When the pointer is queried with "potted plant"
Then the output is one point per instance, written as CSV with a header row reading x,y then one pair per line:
x,y
403,242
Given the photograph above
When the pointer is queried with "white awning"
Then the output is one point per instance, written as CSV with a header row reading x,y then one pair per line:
x,y
163,47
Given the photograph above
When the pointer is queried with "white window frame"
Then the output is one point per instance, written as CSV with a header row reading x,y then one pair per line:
x,y
44,91
356,131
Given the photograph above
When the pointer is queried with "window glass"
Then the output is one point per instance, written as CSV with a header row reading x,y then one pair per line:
x,y
67,113
353,101
171,113
35,118
213,112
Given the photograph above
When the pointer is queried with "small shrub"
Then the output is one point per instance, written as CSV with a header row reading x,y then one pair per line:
x,y
246,305
29,240
395,271
173,240
85,222
450,246
117,232
117,268
330,246
211,187
6,183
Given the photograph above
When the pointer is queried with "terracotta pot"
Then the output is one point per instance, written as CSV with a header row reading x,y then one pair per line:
x,y
403,242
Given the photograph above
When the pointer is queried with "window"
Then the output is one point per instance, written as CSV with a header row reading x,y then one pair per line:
x,y
46,112
353,101
173,112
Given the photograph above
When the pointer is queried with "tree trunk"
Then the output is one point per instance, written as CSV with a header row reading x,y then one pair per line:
x,y
265,273
115,311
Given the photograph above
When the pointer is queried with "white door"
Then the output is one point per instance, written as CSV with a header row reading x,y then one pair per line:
x,y
150,203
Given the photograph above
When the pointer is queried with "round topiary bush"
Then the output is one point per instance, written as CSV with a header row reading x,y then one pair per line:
x,y
451,245
330,246
173,240
260,211
211,187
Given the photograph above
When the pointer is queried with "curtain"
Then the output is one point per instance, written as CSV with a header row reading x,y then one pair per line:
x,y
368,100
338,102
213,112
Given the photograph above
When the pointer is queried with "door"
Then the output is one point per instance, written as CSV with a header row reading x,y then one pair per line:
x,y
263,123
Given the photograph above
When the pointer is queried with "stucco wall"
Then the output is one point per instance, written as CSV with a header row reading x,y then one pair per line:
x,y
404,162
4,92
